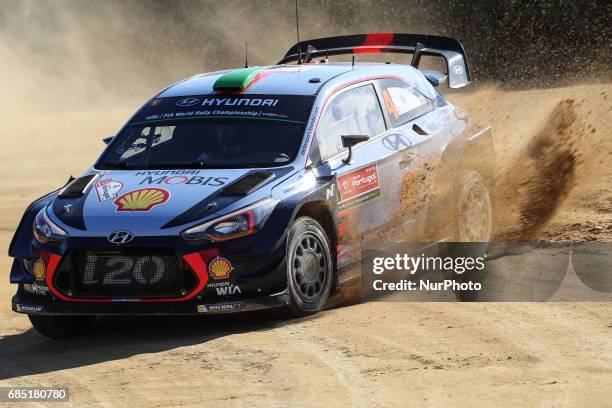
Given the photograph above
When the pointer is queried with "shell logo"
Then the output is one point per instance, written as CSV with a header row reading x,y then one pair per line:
x,y
142,200
220,268
39,269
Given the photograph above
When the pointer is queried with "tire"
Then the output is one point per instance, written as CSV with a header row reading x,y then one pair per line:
x,y
473,227
58,327
474,221
310,267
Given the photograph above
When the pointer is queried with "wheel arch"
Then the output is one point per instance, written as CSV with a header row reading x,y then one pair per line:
x,y
320,211
471,149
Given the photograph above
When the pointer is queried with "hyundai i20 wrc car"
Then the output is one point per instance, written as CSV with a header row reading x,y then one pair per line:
x,y
257,188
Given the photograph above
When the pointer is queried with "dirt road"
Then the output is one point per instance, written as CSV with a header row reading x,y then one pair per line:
x,y
374,354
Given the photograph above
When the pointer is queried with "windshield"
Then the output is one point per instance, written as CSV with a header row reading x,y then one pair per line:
x,y
242,134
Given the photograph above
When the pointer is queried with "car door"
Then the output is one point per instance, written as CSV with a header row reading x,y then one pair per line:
x,y
361,192
353,111
409,165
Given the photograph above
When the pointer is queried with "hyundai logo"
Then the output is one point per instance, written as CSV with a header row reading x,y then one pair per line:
x,y
120,237
187,102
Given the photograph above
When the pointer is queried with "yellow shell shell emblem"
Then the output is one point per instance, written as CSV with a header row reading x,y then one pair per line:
x,y
220,268
142,200
39,269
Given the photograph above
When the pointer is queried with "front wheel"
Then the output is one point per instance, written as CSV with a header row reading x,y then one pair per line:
x,y
58,327
309,267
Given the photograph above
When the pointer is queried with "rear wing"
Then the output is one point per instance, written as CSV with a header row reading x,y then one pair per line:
x,y
416,44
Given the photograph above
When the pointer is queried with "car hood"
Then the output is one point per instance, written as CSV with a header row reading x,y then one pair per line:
x,y
145,201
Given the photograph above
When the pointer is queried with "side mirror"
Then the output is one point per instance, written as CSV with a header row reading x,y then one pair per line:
x,y
108,139
350,141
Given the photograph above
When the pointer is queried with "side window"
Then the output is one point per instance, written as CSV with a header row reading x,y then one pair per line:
x,y
354,112
402,101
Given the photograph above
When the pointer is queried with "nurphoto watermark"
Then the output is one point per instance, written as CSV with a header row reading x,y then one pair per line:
x,y
497,271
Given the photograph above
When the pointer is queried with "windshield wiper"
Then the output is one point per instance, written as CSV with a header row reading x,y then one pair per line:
x,y
117,165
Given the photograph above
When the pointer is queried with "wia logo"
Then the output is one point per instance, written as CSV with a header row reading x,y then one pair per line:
x,y
228,290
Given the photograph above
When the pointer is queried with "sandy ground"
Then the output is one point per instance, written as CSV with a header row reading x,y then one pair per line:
x,y
372,354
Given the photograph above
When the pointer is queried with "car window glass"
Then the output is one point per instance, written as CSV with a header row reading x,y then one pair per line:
x,y
354,112
402,101
214,131
137,144
216,142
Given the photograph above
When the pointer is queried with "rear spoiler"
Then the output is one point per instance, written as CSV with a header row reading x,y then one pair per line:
x,y
416,44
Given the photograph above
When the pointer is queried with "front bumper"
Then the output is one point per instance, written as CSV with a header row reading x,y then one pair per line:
x,y
27,304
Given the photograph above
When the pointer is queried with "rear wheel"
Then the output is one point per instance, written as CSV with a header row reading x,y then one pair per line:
x,y
473,228
57,327
309,267
475,213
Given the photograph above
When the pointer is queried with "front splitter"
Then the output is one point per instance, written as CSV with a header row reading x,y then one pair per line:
x,y
43,306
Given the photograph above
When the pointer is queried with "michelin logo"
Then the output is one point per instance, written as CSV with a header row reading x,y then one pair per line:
x,y
221,307
29,308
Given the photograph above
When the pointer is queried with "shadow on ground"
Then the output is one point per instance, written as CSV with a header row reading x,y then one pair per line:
x,y
115,338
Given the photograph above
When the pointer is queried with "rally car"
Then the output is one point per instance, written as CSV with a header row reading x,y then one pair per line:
x,y
259,187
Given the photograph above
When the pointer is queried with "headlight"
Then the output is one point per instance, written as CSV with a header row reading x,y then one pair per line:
x,y
241,223
45,230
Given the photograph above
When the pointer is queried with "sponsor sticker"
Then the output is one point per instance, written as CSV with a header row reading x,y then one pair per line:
x,y
220,268
294,108
29,308
165,172
142,200
221,307
225,288
310,130
183,179
188,102
40,270
330,192
358,186
108,189
239,102
39,289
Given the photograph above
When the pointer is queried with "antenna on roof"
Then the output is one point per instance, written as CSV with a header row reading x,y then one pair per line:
x,y
297,29
353,64
246,54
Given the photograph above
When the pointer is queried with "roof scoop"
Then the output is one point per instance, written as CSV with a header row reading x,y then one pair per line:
x,y
236,80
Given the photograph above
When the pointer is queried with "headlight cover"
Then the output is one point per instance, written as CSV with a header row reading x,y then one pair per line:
x,y
46,230
240,223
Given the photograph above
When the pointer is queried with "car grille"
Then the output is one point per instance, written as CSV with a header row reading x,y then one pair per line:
x,y
124,274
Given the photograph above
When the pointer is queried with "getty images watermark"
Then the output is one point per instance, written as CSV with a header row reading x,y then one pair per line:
x,y
406,264
495,271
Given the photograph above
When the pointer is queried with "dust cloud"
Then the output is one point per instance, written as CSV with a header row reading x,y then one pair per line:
x,y
73,72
